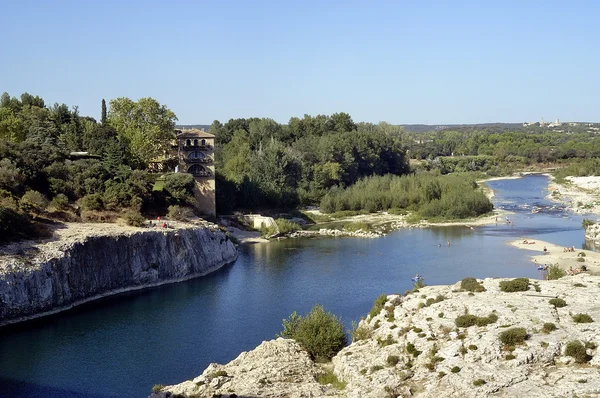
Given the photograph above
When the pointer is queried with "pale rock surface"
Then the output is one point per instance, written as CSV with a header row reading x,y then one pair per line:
x,y
87,261
275,368
540,368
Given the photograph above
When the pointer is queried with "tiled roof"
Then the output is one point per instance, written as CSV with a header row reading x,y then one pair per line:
x,y
194,133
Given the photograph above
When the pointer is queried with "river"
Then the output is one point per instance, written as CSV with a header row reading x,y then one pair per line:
x,y
121,346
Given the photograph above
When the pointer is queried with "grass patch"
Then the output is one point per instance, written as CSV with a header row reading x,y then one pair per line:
x,y
329,378
578,285
582,318
471,285
509,357
479,382
557,302
515,285
455,369
548,327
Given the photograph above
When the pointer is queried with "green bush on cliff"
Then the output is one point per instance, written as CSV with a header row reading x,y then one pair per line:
x,y
471,285
576,350
378,305
515,285
134,219
320,333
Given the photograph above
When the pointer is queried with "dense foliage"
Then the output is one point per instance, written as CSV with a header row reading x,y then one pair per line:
x,y
265,164
428,194
42,169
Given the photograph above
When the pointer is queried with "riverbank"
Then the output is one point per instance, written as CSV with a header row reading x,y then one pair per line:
x,y
84,262
439,341
579,194
557,255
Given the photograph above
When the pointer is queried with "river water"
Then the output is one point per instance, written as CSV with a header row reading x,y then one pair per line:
x,y
123,345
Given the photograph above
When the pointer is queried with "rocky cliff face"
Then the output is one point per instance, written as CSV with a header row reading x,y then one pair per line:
x,y
418,346
62,274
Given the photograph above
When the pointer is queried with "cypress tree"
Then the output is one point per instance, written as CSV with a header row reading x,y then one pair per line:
x,y
103,117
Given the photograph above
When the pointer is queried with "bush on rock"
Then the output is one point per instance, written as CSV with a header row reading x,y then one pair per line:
x,y
320,333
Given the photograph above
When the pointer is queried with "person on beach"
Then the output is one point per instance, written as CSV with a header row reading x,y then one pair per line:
x,y
448,243
545,250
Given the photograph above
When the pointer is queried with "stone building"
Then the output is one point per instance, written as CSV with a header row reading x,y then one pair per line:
x,y
196,151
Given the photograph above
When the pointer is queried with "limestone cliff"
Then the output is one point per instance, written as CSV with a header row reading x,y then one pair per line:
x,y
440,341
56,275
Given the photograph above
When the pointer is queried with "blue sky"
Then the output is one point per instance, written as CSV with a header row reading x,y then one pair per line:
x,y
395,61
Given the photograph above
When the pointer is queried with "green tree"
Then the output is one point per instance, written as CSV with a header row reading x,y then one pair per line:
x,y
145,126
103,115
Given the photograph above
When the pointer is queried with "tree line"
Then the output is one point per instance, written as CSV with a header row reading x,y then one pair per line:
x,y
41,167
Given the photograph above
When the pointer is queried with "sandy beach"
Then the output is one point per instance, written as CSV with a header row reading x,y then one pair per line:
x,y
557,255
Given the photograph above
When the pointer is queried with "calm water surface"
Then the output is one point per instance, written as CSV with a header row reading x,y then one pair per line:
x,y
122,346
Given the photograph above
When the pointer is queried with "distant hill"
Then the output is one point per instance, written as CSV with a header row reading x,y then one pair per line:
x,y
193,126
421,128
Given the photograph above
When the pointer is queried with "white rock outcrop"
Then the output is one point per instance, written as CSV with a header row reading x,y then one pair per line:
x,y
413,348
56,275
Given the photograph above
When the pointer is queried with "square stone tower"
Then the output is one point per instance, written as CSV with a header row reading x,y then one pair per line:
x,y
196,153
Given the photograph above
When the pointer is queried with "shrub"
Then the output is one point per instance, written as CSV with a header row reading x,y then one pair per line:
x,y
478,382
320,333
548,327
286,226
467,320
558,302
378,305
180,213
576,350
471,285
509,357
33,202
157,388
441,374
392,360
411,349
385,342
578,285
472,347
358,226
180,186
555,272
582,318
360,332
376,368
15,225
455,369
581,259
432,300
586,223
60,202
91,202
513,336
328,377
515,285
134,219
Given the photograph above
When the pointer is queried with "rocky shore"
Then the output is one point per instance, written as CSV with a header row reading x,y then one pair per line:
x,y
439,341
83,262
